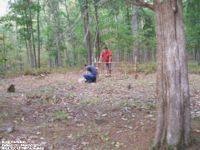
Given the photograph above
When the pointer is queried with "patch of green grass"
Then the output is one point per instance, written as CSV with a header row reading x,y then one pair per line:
x,y
147,68
150,106
197,119
193,67
150,67
37,71
60,116
90,101
196,122
136,104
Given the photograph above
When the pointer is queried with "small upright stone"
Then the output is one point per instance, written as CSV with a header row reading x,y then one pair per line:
x,y
11,88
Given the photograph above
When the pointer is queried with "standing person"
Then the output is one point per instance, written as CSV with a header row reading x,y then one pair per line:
x,y
106,55
91,76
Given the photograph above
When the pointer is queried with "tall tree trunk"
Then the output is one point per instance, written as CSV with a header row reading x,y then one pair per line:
x,y
128,18
29,45
135,34
27,50
29,38
173,122
198,56
4,50
67,52
57,38
120,53
71,37
194,54
38,32
97,42
32,33
17,47
87,34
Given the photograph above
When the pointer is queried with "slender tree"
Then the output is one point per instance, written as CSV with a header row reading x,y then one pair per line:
x,y
135,34
57,35
38,32
97,38
30,23
29,33
87,34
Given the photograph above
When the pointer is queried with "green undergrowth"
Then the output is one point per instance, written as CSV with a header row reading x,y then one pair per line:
x,y
127,68
150,67
193,67
38,71
60,116
147,68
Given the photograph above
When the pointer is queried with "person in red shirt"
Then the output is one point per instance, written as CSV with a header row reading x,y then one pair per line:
x,y
106,56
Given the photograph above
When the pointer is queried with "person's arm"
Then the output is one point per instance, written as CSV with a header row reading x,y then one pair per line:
x,y
100,57
84,70
110,59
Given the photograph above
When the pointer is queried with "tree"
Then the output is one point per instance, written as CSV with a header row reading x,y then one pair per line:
x,y
57,39
29,13
135,33
173,121
22,13
3,50
38,32
97,36
84,5
192,17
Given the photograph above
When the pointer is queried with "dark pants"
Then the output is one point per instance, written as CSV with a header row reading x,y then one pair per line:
x,y
108,67
90,78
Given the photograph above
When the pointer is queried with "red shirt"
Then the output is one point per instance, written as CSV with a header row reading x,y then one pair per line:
x,y
106,55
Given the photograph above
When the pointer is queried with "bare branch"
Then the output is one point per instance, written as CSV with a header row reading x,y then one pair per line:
x,y
142,3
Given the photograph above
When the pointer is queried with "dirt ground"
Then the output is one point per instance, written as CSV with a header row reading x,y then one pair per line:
x,y
56,112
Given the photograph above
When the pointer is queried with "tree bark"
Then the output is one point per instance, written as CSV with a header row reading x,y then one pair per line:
x,y
32,32
87,33
57,38
173,122
38,32
135,34
198,57
29,39
97,41
4,50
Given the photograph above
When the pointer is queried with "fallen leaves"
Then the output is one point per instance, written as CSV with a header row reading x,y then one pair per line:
x,y
114,113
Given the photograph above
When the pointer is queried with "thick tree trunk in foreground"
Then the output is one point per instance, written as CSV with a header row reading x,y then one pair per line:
x,y
173,122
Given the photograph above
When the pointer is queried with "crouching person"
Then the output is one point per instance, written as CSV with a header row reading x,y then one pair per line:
x,y
91,75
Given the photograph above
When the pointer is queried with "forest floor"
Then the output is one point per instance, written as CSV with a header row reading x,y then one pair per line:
x,y
56,112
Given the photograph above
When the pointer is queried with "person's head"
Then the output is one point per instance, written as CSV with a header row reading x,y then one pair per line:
x,y
85,66
106,48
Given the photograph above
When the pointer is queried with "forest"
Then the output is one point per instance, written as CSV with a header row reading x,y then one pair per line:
x,y
151,100
68,33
